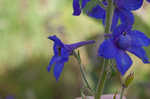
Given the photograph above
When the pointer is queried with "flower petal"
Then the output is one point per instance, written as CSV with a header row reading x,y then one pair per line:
x,y
97,12
139,38
126,17
139,52
76,8
58,69
123,61
107,49
56,40
65,54
59,66
129,4
52,62
115,19
84,2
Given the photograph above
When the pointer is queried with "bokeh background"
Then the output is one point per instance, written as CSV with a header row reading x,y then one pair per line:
x,y
25,51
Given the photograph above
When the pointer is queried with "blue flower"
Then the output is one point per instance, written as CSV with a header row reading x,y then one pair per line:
x,y
121,40
122,11
61,54
97,12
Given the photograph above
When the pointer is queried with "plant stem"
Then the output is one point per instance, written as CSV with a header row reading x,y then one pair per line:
x,y
101,82
122,92
109,14
101,4
104,74
83,73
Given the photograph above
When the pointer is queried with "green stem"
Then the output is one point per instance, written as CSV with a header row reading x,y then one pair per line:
x,y
104,74
101,82
85,80
109,14
83,74
122,92
101,4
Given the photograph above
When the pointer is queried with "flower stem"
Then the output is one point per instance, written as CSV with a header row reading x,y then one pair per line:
x,y
122,92
101,82
109,14
104,73
101,4
83,73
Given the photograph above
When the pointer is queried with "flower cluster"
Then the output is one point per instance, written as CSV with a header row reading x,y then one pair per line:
x,y
122,38
122,10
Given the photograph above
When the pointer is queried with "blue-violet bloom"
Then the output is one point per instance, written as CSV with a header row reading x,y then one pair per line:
x,y
61,54
122,11
121,40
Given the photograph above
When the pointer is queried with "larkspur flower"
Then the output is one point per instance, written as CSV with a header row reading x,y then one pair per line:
x,y
122,11
61,54
119,42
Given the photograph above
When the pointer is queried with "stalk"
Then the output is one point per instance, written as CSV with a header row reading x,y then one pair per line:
x,y
104,73
122,92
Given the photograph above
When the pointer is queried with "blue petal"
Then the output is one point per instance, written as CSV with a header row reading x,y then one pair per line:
x,y
107,49
139,52
129,4
123,61
59,65
56,40
58,69
84,2
115,19
97,12
126,17
59,62
55,49
65,54
139,38
104,2
52,62
148,0
76,8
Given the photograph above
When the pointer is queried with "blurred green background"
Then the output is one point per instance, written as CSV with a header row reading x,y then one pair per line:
x,y
25,50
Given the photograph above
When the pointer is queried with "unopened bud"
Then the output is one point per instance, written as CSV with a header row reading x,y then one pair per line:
x,y
129,79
